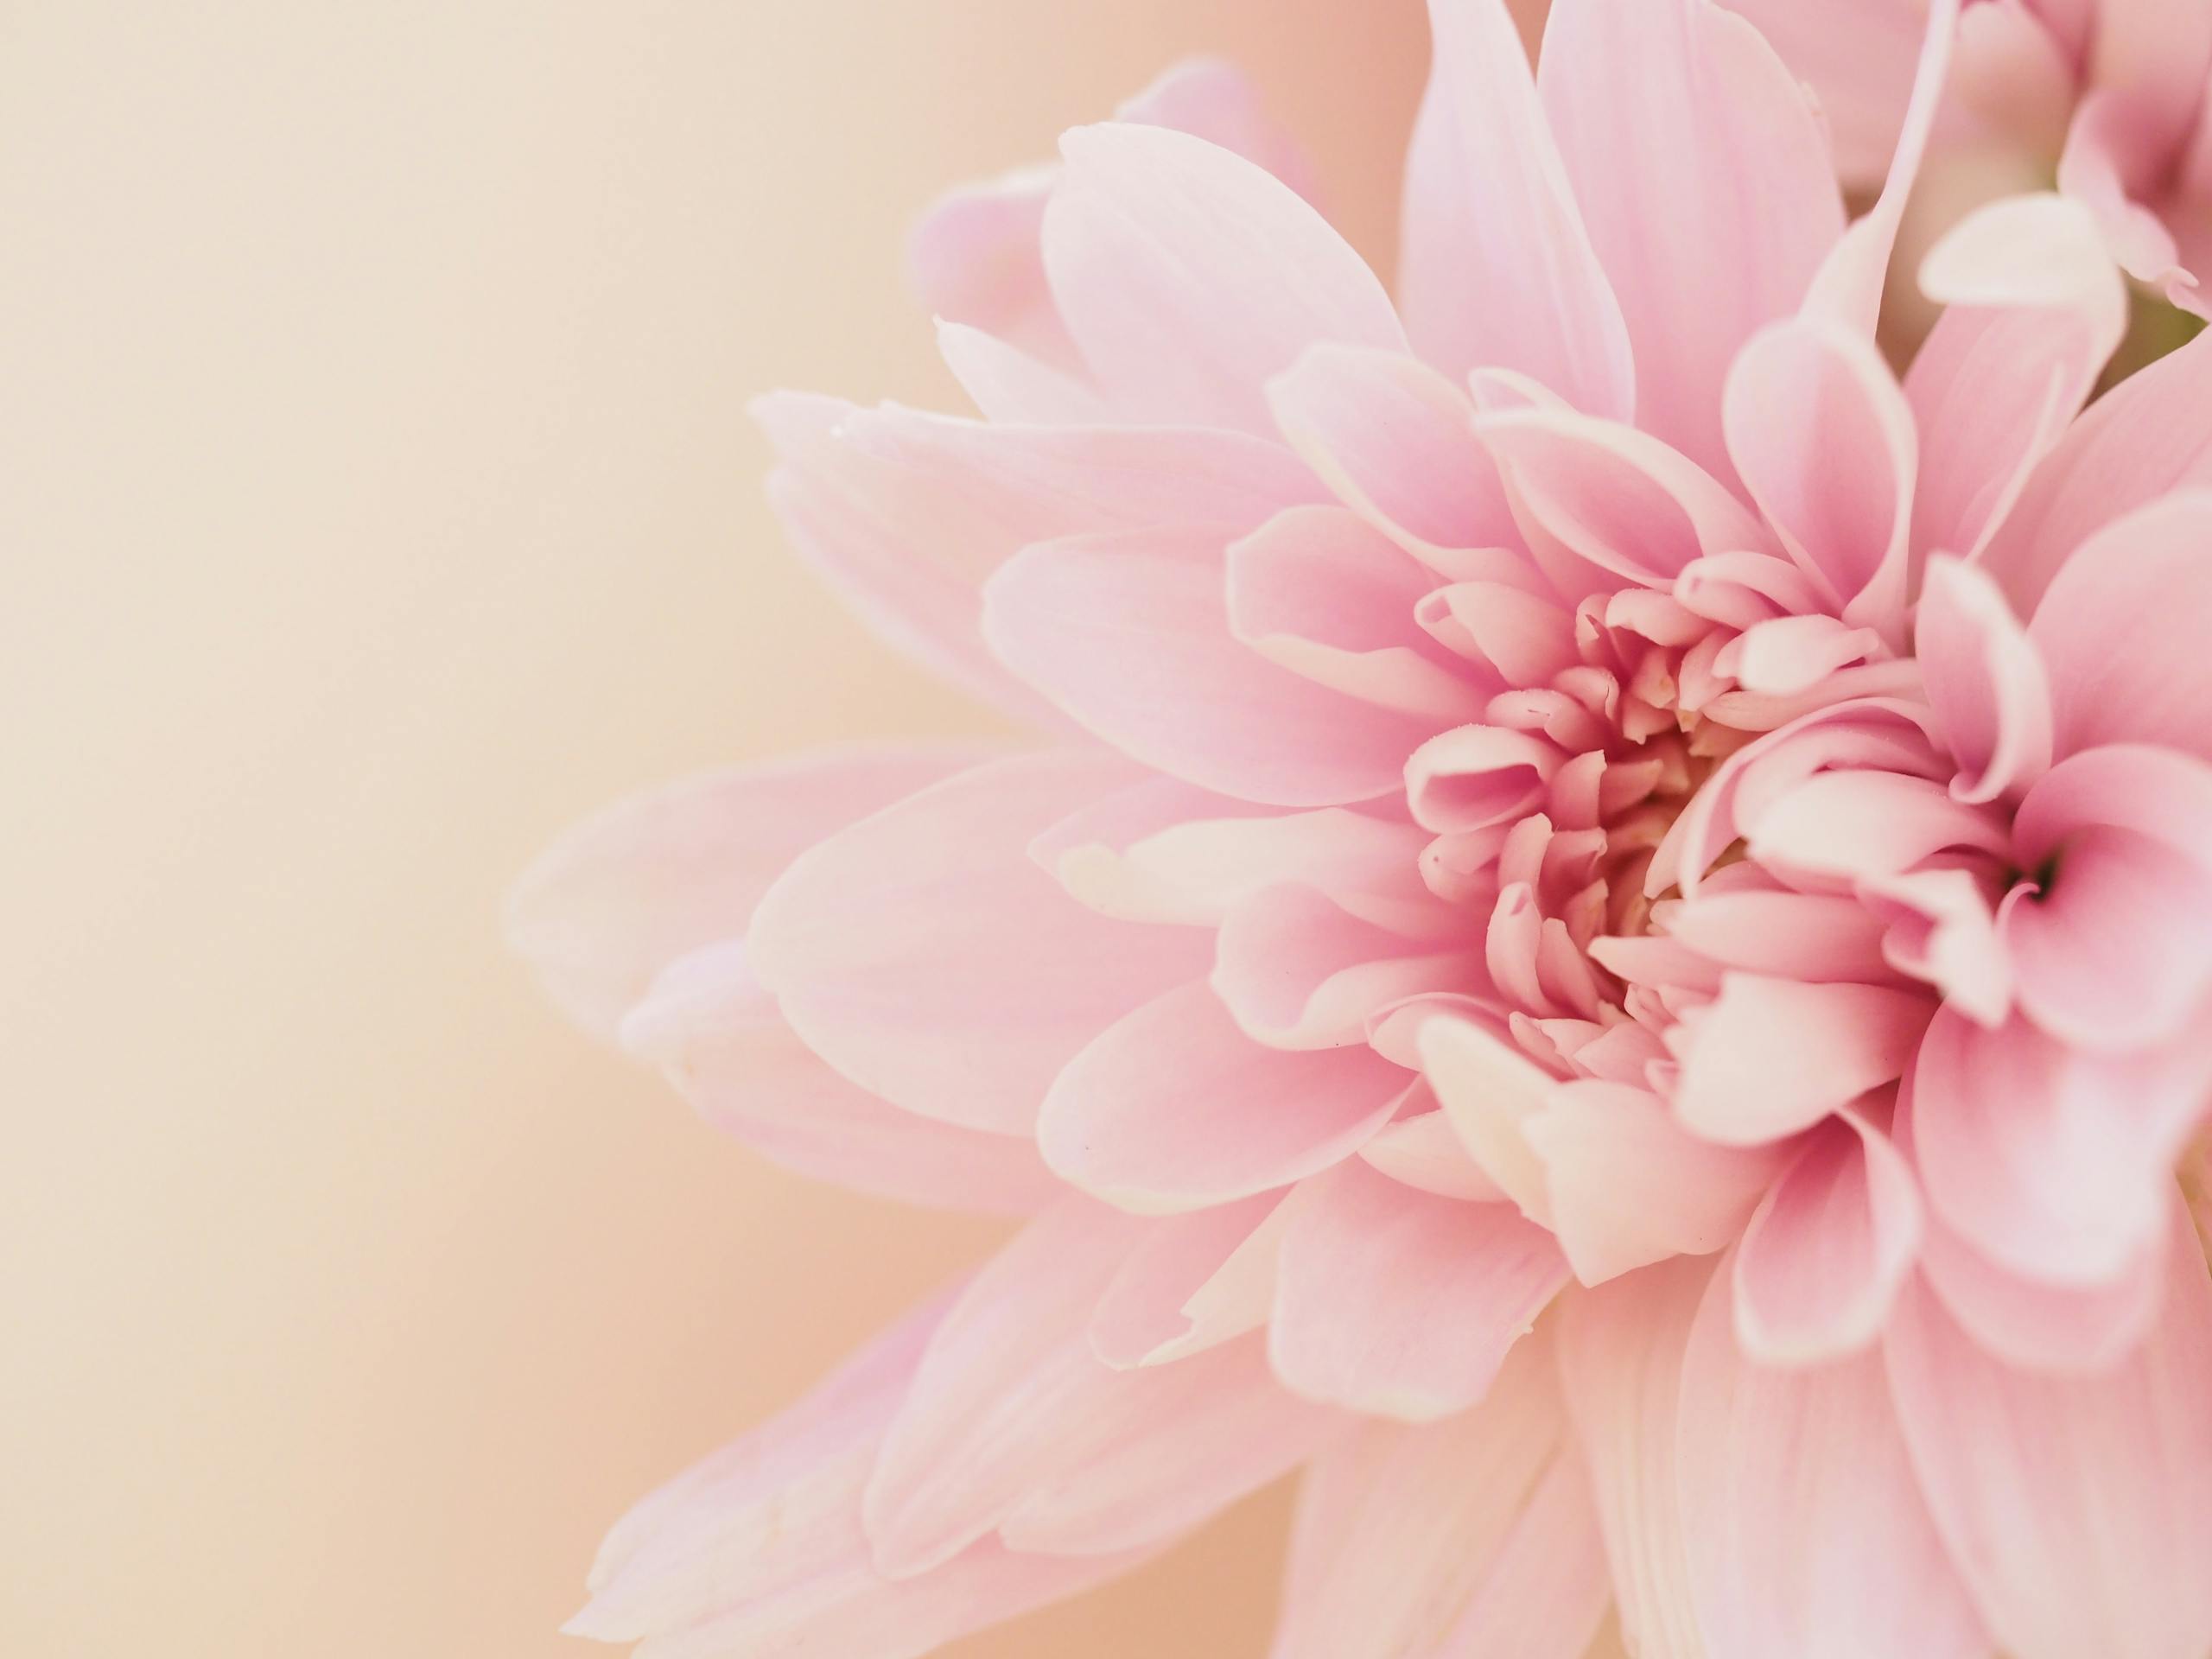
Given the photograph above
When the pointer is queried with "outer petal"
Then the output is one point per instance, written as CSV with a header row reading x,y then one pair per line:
x,y
1402,1304
1682,104
760,1552
1805,1528
1821,1261
1496,270
1858,56
1012,1419
624,893
1192,1282
1173,1107
2147,437
1189,278
1130,635
1469,1537
2077,1508
2120,631
923,955
1621,1349
2051,1162
710,1026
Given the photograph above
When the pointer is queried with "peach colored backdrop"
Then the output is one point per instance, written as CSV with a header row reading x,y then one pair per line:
x,y
378,498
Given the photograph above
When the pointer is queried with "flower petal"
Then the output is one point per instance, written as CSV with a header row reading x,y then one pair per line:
x,y
1401,1303
1769,1057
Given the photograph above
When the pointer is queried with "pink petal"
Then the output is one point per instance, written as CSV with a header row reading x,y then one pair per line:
x,y
1626,1186
1173,1108
1007,384
923,955
2148,437
1213,99
1941,930
2077,1508
1209,1431
2112,953
1422,1150
710,1026
1300,970
1496,270
1822,938
1400,1304
1391,437
1852,826
1489,1091
1189,276
760,1550
1824,438
2051,1162
1686,105
2118,635
1621,1349
1806,1531
1822,1259
1602,504
1985,681
1010,1407
1130,635
1783,656
2033,308
1192,1282
1769,1057
1461,1539
1316,591
1475,776
1858,56
623,894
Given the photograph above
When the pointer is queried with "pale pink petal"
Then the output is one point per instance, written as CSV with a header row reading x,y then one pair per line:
x,y
1007,384
2148,437
1214,99
1626,1185
1173,1108
1423,1150
1475,776
1686,105
716,1032
1769,1057
1166,852
1391,437
1819,937
1602,504
1525,638
1941,929
1850,826
2051,1162
1496,268
1786,655
2111,951
2078,1510
973,259
2033,308
1458,1540
921,954
1010,1407
2119,636
1130,635
1192,1282
1316,591
1300,970
624,893
1401,1303
1621,1349
2108,161
1821,1261
1189,276
1858,56
1806,1532
1824,439
1985,681
1489,1091
1209,1431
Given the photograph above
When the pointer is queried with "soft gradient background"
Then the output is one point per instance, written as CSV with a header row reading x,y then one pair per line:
x,y
377,498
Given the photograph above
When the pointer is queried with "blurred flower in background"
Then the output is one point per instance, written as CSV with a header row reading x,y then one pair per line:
x,y
1604,942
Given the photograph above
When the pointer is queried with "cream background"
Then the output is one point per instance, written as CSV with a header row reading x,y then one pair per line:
x,y
377,498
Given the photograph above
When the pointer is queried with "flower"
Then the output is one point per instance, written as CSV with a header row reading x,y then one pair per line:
x,y
1570,964
2109,96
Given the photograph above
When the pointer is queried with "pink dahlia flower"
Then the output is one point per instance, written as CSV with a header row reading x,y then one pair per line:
x,y
1570,963
2109,94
